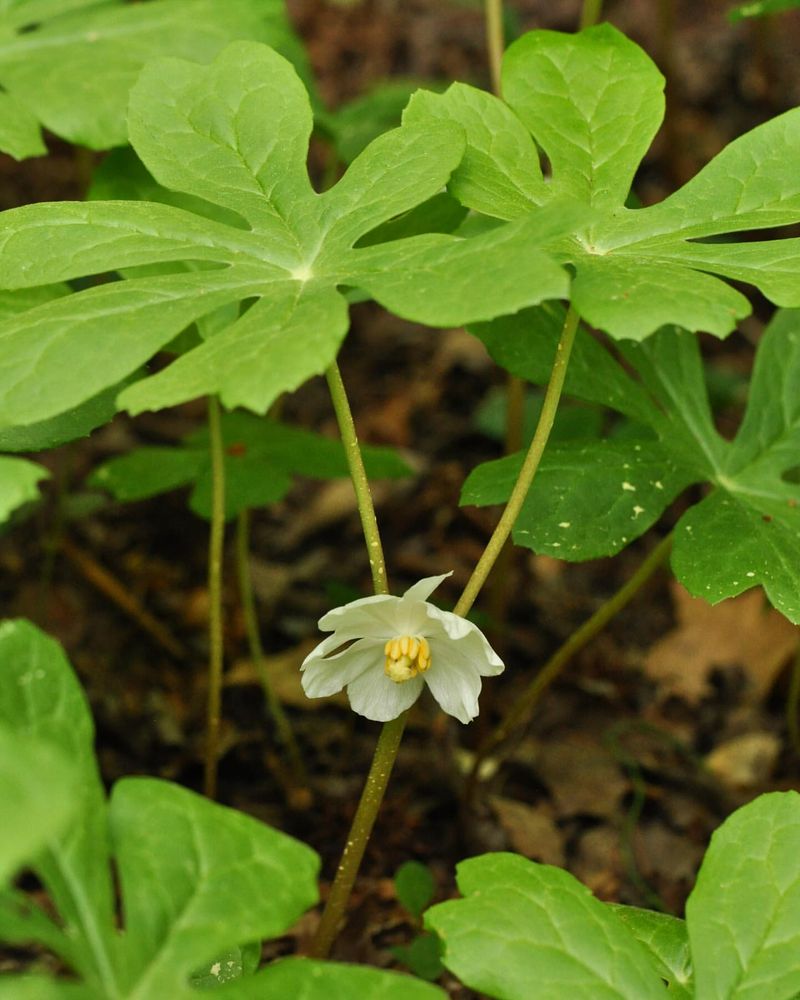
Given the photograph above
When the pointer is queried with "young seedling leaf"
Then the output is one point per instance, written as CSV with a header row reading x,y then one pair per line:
x,y
414,885
261,456
69,64
522,923
592,103
591,499
235,134
744,913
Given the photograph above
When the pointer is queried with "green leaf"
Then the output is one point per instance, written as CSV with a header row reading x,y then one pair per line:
x,y
221,876
761,8
744,913
748,531
40,988
414,885
20,136
19,481
743,534
69,65
261,455
38,791
589,499
666,941
422,956
305,979
227,968
522,923
592,102
210,132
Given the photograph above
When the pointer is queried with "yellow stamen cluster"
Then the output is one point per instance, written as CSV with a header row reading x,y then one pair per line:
x,y
406,656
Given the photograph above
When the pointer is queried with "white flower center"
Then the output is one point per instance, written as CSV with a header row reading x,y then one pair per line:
x,y
406,656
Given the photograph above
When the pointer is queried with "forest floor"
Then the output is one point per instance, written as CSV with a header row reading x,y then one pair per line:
x,y
671,718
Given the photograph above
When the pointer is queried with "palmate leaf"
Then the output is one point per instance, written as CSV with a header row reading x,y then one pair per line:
x,y
69,64
590,499
261,456
196,879
235,134
592,102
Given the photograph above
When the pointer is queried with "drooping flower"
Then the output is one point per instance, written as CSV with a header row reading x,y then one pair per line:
x,y
393,647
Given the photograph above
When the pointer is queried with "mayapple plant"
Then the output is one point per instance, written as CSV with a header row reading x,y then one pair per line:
x,y
202,885
265,267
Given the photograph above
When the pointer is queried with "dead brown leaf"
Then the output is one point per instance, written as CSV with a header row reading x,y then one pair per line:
x,y
583,778
737,633
531,830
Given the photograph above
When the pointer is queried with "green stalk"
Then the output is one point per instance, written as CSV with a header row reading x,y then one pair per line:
x,y
792,723
523,707
590,13
495,41
371,798
355,462
383,760
216,540
279,718
529,466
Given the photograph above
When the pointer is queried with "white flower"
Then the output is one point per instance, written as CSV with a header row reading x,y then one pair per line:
x,y
397,645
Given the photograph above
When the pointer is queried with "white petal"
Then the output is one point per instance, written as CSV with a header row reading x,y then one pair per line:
x,y
422,590
374,616
375,696
454,680
469,638
323,675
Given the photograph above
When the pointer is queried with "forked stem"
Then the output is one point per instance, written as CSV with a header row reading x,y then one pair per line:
x,y
389,740
523,707
216,540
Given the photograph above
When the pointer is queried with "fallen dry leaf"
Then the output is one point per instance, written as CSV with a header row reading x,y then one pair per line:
x,y
531,830
738,633
284,674
582,777
745,761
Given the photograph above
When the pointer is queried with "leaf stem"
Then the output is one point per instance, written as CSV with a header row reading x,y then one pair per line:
x,y
591,12
523,707
529,466
279,718
215,545
363,822
495,41
355,462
